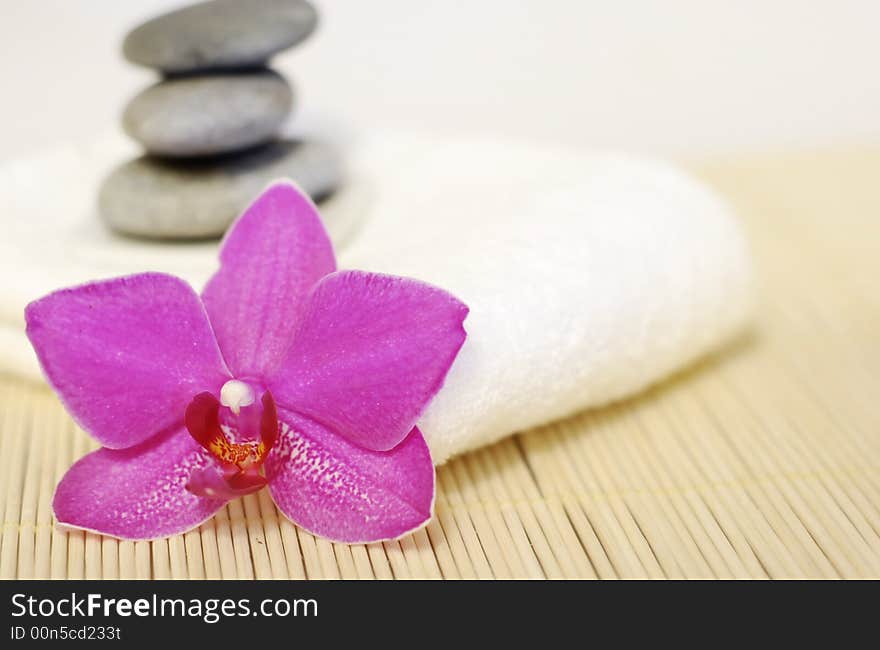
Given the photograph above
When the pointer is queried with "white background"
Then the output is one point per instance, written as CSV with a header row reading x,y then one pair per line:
x,y
678,77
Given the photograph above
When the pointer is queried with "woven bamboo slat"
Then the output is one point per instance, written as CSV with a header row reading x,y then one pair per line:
x,y
761,462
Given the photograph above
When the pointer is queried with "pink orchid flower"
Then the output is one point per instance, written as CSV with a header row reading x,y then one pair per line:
x,y
286,373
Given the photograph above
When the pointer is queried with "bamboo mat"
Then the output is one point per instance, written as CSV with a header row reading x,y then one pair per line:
x,y
761,462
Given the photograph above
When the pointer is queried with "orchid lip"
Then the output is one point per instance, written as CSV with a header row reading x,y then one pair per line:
x,y
238,460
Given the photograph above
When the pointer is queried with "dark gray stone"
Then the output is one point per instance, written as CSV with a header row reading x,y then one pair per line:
x,y
198,198
210,114
220,34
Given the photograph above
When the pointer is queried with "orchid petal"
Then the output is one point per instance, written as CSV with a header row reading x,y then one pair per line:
x,y
370,352
269,261
346,493
139,492
126,355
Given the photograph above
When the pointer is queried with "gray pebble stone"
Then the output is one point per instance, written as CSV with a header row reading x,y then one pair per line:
x,y
198,198
220,34
211,114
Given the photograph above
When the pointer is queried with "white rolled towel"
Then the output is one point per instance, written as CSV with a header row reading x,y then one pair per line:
x,y
588,276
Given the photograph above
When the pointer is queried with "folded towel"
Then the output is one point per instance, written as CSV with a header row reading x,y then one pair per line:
x,y
588,276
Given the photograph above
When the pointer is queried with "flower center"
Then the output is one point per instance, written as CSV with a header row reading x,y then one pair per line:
x,y
238,432
236,394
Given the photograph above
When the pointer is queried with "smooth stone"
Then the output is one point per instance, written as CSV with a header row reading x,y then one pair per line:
x,y
212,114
220,34
198,198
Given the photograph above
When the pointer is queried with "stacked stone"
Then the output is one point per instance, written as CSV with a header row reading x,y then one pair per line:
x,y
211,127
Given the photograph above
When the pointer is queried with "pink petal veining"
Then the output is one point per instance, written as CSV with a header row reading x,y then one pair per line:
x,y
370,352
346,493
269,261
126,355
136,493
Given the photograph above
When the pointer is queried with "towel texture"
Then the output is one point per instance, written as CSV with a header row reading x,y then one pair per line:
x,y
589,276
